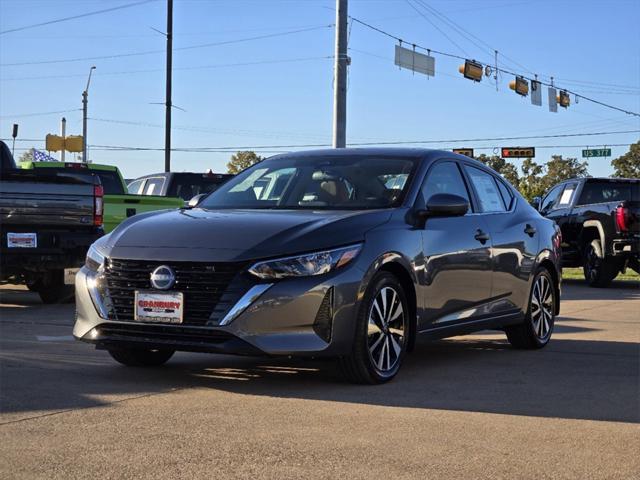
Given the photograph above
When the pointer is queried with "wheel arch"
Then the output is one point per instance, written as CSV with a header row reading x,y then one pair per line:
x,y
400,267
548,265
591,230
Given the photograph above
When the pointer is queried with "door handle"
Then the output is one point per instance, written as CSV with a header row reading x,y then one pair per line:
x,y
481,236
530,230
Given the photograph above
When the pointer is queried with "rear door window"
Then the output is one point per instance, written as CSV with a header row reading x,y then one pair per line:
x,y
567,195
134,187
154,186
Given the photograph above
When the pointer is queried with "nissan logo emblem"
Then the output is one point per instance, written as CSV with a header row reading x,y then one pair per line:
x,y
163,278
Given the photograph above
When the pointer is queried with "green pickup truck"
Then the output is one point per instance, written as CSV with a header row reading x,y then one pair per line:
x,y
118,204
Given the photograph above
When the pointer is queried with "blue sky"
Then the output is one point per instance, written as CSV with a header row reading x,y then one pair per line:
x,y
278,90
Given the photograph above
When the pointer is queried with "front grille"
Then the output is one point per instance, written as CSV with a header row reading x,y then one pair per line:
x,y
208,288
159,333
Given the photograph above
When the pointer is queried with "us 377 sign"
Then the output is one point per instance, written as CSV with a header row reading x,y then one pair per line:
x,y
596,152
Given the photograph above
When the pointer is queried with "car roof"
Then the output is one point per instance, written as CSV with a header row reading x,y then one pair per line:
x,y
406,152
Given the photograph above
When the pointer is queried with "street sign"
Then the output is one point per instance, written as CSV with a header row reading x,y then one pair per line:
x,y
553,99
467,152
518,152
417,62
56,143
536,93
596,152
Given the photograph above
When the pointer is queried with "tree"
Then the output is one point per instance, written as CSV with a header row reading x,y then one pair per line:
x,y
531,182
628,165
241,160
27,156
508,170
559,169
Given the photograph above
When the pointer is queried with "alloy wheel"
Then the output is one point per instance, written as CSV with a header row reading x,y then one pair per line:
x,y
386,329
542,308
592,263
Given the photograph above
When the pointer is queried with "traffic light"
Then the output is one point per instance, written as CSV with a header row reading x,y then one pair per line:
x,y
520,86
471,70
518,152
467,152
563,99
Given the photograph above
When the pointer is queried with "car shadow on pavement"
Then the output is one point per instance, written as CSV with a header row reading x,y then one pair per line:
x,y
573,379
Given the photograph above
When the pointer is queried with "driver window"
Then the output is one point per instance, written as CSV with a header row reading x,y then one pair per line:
x,y
550,199
444,177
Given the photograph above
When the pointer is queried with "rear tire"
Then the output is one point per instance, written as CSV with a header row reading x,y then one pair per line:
x,y
599,271
382,329
52,288
535,332
140,357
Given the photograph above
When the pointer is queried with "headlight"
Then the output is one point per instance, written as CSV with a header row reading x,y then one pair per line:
x,y
97,282
310,264
94,259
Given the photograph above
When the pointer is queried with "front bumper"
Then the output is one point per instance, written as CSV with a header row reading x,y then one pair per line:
x,y
288,318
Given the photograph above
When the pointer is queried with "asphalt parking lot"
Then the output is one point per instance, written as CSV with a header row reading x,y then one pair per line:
x,y
469,407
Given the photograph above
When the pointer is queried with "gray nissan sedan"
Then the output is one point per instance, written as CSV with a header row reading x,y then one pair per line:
x,y
347,253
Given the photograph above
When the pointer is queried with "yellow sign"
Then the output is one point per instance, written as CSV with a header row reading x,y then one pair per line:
x,y
54,143
72,143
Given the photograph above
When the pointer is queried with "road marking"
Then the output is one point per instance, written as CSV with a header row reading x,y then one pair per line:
x,y
59,338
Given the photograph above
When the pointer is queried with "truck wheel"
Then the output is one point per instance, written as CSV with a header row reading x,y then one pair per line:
x,y
140,357
52,288
34,285
599,271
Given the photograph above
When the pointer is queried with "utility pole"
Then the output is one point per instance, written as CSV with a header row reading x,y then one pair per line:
x,y
167,127
85,104
340,77
63,134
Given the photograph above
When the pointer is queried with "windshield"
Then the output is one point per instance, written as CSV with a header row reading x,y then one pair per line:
x,y
316,183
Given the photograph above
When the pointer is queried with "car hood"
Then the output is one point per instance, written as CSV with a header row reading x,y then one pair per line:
x,y
236,235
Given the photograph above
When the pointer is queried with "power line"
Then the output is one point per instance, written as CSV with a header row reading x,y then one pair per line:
x,y
362,144
189,47
287,149
194,67
74,17
508,72
436,27
38,114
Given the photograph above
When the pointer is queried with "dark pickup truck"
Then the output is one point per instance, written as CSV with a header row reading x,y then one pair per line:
x,y
185,185
600,223
48,220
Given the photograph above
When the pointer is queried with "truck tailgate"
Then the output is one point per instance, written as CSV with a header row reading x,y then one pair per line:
x,y
42,203
117,208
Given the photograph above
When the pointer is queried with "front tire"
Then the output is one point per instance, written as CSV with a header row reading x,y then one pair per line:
x,y
140,357
381,333
535,332
599,271
52,288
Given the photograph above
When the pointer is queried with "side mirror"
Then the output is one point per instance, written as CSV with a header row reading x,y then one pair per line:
x,y
444,205
196,200
536,202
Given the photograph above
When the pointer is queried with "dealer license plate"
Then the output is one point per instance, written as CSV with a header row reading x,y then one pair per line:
x,y
70,276
22,240
159,307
